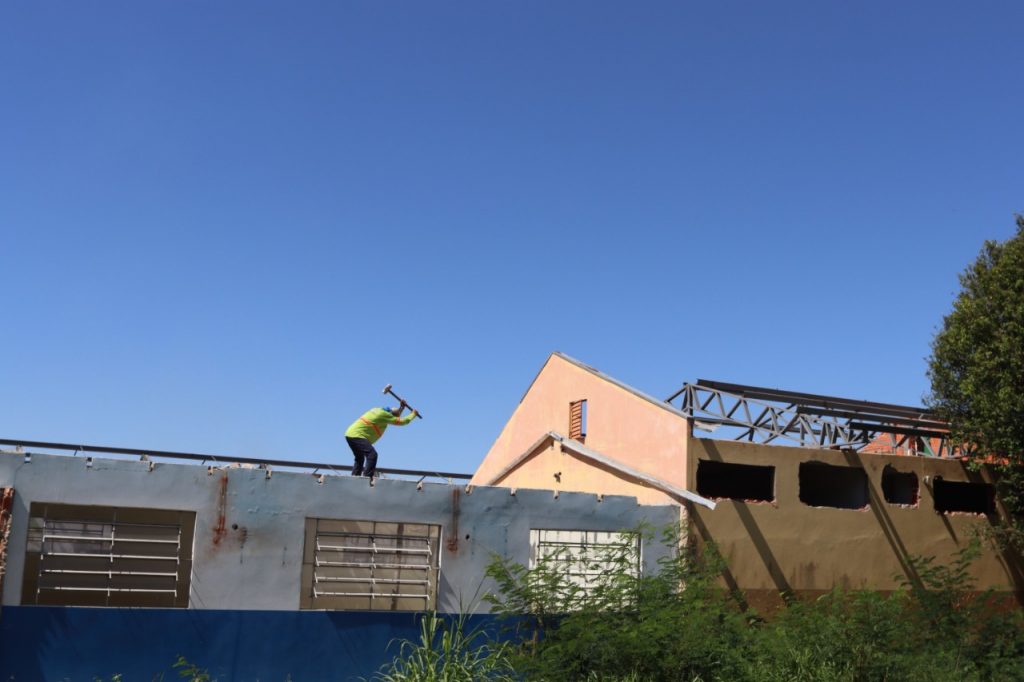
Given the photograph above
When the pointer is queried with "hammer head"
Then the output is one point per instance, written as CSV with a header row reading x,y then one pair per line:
x,y
386,389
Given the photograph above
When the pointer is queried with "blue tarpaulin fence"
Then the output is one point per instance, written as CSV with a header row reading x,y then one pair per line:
x,y
40,643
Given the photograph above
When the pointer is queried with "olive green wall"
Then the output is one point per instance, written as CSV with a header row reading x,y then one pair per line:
x,y
786,545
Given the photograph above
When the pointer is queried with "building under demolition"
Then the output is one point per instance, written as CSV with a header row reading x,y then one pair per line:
x,y
262,570
117,561
800,492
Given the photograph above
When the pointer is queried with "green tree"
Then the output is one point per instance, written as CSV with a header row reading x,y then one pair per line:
x,y
977,363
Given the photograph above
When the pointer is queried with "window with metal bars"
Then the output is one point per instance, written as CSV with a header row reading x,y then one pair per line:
x,y
108,556
578,420
370,565
585,557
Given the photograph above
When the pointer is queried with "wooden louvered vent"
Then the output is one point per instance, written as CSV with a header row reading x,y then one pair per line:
x,y
578,420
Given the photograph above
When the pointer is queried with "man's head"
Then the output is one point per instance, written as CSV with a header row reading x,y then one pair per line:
x,y
395,411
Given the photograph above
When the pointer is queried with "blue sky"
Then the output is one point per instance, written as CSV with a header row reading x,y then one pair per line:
x,y
225,226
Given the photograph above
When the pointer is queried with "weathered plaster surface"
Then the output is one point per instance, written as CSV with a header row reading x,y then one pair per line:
x,y
258,565
787,545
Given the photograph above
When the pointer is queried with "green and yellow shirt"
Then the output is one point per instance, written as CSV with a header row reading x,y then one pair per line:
x,y
371,425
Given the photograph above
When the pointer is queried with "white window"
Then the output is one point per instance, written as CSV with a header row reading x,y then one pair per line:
x,y
370,565
585,557
108,556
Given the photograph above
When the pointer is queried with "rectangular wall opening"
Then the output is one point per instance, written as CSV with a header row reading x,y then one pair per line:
x,y
826,485
107,556
964,496
749,482
899,487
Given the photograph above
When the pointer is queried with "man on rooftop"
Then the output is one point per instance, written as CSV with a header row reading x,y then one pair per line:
x,y
366,430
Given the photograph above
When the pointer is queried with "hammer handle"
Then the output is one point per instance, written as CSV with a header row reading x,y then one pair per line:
x,y
395,396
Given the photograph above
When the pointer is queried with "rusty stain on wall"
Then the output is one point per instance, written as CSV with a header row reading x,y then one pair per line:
x,y
453,534
220,530
6,502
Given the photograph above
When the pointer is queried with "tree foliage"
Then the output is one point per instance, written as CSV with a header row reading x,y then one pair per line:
x,y
977,362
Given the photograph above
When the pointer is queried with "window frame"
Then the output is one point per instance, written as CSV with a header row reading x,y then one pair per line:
x,y
545,538
91,555
335,552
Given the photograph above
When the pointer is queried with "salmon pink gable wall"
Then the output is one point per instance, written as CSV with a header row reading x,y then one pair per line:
x,y
634,429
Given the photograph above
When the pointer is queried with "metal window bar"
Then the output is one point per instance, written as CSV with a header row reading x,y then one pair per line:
x,y
372,595
87,538
372,548
82,572
109,590
111,557
382,581
375,536
371,565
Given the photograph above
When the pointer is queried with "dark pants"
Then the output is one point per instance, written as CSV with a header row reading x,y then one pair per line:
x,y
363,452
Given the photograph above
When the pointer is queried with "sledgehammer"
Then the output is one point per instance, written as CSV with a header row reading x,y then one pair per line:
x,y
387,390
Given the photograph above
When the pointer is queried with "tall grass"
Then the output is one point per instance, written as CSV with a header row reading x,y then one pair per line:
x,y
449,650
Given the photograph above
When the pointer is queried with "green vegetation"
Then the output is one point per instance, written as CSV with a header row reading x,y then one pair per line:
x,y
977,363
191,672
449,651
646,629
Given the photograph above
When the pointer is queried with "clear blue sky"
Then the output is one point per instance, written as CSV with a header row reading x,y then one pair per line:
x,y
225,226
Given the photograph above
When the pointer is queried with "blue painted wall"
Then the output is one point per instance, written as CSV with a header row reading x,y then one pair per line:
x,y
40,643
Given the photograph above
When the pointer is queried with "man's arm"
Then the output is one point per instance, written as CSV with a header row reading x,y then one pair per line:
x,y
398,420
402,421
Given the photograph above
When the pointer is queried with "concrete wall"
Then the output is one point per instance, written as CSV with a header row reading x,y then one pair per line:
x,y
258,565
641,433
786,545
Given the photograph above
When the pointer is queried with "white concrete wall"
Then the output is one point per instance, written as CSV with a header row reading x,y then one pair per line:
x,y
259,564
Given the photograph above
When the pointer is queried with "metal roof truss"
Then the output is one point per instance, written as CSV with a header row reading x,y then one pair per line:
x,y
764,415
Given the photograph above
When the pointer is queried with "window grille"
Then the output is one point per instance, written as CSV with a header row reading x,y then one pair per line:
x,y
108,556
585,557
370,565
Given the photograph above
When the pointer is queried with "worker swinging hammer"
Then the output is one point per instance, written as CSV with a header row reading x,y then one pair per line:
x,y
368,429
